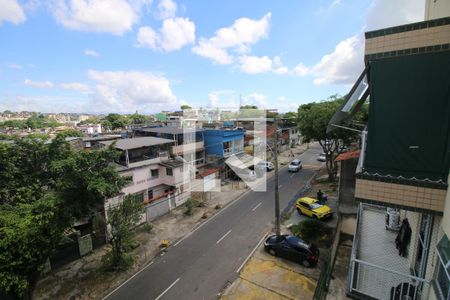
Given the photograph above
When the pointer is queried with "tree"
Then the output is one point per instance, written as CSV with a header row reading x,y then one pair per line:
x,y
137,118
70,133
121,220
249,107
44,188
185,107
28,234
313,120
115,121
290,115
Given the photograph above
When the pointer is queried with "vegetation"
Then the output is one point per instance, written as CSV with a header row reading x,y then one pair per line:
x,y
44,188
70,133
311,230
185,107
36,121
121,220
189,206
313,120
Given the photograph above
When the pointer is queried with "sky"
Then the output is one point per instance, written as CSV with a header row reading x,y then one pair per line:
x,y
123,56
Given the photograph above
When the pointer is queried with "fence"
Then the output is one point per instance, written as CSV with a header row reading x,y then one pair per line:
x,y
321,290
368,279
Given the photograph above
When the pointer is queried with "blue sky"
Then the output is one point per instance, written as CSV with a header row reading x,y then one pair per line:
x,y
102,56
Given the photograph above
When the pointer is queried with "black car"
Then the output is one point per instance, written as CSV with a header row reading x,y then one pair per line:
x,y
292,248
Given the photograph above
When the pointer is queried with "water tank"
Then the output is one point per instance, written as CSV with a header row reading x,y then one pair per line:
x,y
392,219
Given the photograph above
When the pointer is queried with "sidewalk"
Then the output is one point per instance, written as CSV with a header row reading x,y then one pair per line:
x,y
84,278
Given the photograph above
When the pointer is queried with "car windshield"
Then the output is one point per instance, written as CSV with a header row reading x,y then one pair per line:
x,y
295,163
315,205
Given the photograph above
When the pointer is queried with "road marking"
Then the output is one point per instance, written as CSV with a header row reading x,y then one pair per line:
x,y
151,263
223,236
256,206
221,211
251,253
292,175
166,290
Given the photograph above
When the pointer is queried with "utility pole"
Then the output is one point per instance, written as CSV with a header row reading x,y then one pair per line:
x,y
277,183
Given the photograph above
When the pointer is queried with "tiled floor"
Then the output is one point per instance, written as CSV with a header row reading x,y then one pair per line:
x,y
377,247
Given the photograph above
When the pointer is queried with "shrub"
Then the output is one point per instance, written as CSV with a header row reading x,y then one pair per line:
x,y
311,230
148,227
189,206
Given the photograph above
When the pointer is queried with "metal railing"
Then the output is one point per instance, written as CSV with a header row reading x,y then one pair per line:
x,y
381,283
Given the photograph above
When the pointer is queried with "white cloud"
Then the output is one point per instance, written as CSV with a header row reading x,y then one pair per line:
x,y
15,66
90,52
343,65
174,35
254,64
111,16
43,103
128,91
254,98
300,70
167,9
147,38
11,11
238,37
387,13
39,84
75,86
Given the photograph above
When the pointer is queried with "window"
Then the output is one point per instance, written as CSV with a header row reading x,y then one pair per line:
x,y
443,268
138,197
150,194
169,171
155,173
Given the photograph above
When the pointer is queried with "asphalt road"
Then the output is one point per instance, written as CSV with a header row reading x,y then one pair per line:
x,y
200,265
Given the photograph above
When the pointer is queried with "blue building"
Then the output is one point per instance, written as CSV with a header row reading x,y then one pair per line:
x,y
222,143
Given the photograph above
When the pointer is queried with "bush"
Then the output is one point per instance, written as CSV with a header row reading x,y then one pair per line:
x,y
124,263
189,206
311,230
148,227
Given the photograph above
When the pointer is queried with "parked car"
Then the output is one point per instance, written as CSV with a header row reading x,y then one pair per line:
x,y
312,208
265,165
295,165
322,157
247,175
292,248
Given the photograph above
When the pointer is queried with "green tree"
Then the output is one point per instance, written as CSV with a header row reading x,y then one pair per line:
x,y
290,115
185,106
70,133
115,121
44,188
313,120
137,118
249,107
122,218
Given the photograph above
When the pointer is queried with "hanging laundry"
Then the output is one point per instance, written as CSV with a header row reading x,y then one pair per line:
x,y
403,238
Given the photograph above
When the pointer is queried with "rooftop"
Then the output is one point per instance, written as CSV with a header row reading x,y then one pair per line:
x,y
168,129
139,142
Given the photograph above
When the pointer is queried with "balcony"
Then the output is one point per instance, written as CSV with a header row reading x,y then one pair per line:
x,y
376,268
187,148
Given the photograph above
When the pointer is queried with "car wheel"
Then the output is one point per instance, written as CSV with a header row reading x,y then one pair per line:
x,y
306,263
299,211
314,217
272,252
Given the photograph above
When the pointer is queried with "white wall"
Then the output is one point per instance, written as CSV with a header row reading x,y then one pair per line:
x,y
435,9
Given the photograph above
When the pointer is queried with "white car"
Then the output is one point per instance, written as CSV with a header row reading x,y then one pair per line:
x,y
295,165
265,165
247,175
322,157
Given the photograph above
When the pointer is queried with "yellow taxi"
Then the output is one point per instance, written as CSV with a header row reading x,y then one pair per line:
x,y
312,208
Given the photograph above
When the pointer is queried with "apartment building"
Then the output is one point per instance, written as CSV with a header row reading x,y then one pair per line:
x,y
189,143
401,247
156,179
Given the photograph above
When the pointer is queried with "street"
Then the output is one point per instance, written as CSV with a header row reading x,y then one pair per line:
x,y
200,265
